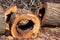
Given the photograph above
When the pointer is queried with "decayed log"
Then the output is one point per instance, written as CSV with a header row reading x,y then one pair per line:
x,y
52,14
24,25
27,28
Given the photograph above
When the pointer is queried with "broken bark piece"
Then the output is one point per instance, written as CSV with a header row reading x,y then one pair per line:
x,y
52,14
7,14
9,10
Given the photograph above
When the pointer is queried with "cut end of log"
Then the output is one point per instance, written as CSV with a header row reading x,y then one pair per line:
x,y
25,26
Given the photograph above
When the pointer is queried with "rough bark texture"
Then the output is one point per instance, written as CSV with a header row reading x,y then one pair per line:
x,y
2,21
52,15
53,1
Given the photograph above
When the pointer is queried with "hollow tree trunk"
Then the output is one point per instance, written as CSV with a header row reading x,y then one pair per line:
x,y
52,15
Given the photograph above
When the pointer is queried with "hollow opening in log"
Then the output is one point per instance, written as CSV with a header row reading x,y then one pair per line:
x,y
25,24
8,20
42,12
8,17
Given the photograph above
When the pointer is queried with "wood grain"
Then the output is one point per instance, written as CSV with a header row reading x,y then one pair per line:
x,y
52,14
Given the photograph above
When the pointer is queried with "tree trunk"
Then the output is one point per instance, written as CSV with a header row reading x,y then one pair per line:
x,y
52,15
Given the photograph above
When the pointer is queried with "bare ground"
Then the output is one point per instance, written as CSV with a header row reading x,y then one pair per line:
x,y
45,34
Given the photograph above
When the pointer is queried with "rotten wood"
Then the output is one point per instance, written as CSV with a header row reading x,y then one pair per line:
x,y
26,33
26,30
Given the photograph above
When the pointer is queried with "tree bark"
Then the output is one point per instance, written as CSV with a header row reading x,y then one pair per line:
x,y
2,21
52,15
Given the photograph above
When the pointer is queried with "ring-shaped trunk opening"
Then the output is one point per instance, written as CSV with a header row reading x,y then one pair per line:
x,y
25,24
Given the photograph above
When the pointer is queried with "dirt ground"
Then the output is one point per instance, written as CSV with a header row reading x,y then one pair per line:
x,y
44,34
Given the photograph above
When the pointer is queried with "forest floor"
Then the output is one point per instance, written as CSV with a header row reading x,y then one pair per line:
x,y
44,34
